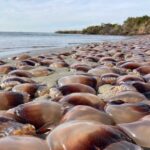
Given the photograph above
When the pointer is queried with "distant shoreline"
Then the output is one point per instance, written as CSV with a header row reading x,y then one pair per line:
x,y
131,26
18,42
69,48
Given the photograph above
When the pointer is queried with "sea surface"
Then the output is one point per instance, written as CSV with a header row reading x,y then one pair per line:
x,y
19,42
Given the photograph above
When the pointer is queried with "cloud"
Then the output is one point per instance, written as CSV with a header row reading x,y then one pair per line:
x,y
51,15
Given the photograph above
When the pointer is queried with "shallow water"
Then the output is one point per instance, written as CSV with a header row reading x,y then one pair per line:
x,y
18,42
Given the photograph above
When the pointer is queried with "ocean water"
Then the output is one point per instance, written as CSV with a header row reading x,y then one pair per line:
x,y
19,42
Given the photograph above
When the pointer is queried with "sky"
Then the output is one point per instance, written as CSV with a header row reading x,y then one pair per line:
x,y
53,15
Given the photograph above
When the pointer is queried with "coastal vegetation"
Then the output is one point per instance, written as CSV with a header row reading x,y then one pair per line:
x,y
69,32
131,26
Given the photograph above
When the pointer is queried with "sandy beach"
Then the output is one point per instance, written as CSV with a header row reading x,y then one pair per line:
x,y
98,90
74,75
62,71
59,72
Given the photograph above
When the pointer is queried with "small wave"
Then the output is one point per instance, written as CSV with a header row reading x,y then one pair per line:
x,y
26,34
9,48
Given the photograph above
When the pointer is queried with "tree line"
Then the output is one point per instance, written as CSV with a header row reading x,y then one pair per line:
x,y
131,26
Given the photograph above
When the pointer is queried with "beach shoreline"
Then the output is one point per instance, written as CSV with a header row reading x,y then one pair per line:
x,y
17,43
69,48
102,79
60,71
20,42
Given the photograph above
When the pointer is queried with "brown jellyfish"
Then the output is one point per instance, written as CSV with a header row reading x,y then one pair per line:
x,y
46,62
128,97
39,113
65,54
142,87
71,88
9,99
10,82
23,143
128,112
92,58
23,57
119,56
130,65
82,99
82,79
81,67
30,88
84,135
109,78
29,62
88,114
36,59
26,64
139,131
107,61
143,70
128,79
20,73
43,71
11,127
4,69
59,64
103,59
120,63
